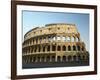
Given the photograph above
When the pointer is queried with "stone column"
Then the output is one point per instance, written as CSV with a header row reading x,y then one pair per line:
x,y
33,41
61,58
36,59
70,38
46,48
61,38
45,58
56,58
66,58
72,58
50,59
50,48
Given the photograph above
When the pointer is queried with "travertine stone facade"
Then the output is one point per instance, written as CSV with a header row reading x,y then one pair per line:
x,y
54,43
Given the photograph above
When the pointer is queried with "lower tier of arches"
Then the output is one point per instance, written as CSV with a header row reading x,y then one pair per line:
x,y
53,58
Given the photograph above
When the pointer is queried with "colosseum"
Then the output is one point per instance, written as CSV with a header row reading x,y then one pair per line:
x,y
54,43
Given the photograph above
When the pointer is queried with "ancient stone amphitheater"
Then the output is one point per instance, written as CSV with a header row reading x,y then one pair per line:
x,y
59,42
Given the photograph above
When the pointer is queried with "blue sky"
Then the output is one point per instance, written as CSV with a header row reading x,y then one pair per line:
x,y
32,19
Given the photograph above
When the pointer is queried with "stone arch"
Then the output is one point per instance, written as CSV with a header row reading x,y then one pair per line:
x,y
35,49
79,57
69,48
68,39
78,47
64,58
30,59
58,38
48,59
31,49
54,38
33,41
83,57
53,58
75,58
36,40
58,59
44,49
42,59
74,48
38,59
72,38
69,58
82,48
58,48
64,48
63,38
40,40
34,59
53,48
77,39
49,38
48,48
39,49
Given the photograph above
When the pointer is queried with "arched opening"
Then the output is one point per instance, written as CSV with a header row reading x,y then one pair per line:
x,y
40,40
82,48
28,50
42,59
64,58
74,48
48,59
64,38
54,38
58,59
64,48
59,48
35,49
77,39
44,39
38,59
68,39
79,57
83,57
44,49
36,40
74,58
39,48
78,47
30,59
34,59
33,41
69,48
72,39
58,38
53,48
69,58
48,48
53,59
31,49
50,38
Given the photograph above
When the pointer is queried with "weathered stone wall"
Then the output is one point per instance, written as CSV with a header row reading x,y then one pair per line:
x,y
54,42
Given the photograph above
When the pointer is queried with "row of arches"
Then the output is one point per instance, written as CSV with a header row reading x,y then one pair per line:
x,y
39,40
36,31
49,48
48,58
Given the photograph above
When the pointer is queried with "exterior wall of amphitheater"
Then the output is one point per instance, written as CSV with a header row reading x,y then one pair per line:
x,y
54,43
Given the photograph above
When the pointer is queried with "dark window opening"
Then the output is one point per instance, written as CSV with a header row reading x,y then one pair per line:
x,y
69,48
64,48
53,48
58,48
74,48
